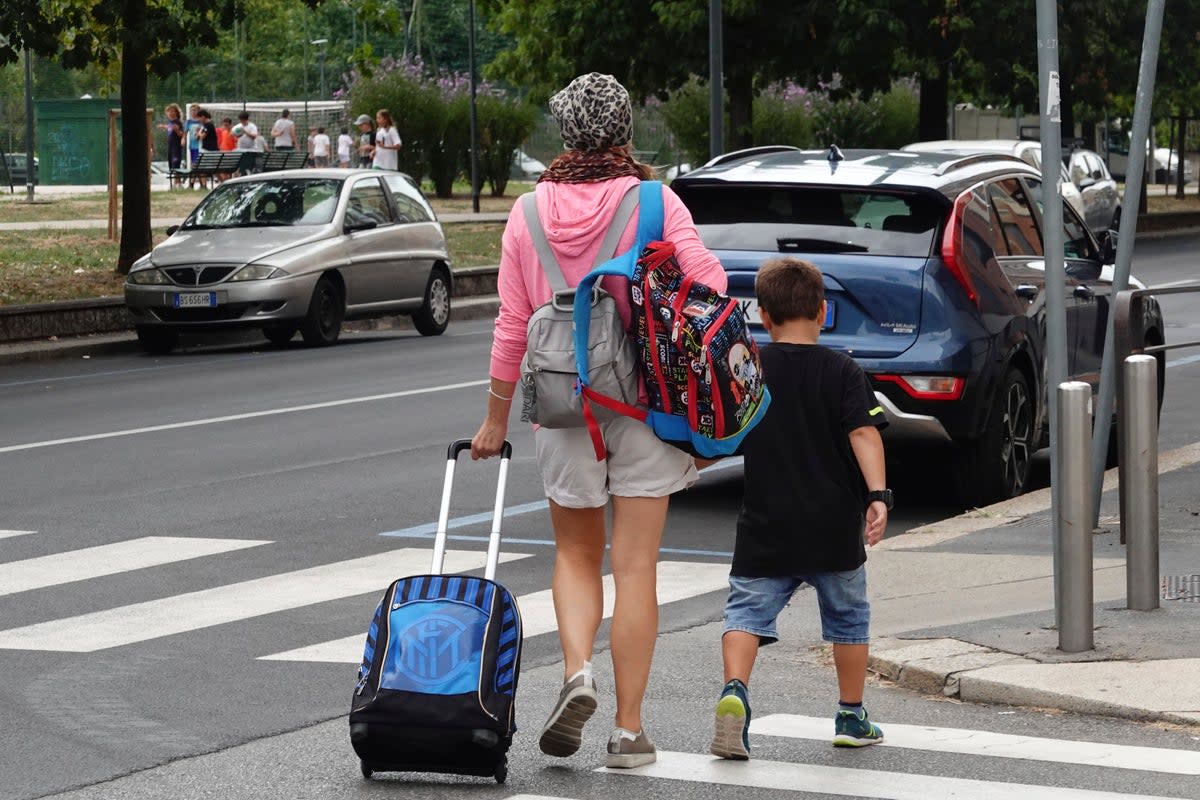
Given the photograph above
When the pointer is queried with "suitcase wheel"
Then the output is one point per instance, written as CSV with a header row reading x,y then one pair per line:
x,y
502,770
367,772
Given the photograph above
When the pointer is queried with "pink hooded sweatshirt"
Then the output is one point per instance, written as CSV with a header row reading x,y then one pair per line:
x,y
575,217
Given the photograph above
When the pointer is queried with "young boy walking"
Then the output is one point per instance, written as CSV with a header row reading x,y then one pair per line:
x,y
814,474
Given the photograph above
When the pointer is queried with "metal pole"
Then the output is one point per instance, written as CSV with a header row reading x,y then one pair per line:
x,y
1139,473
322,54
1073,602
474,116
29,148
716,81
1052,216
1135,171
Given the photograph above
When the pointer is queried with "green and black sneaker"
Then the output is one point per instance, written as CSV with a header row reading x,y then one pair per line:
x,y
731,732
853,729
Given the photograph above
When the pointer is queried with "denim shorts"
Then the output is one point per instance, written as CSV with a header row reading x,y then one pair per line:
x,y
754,605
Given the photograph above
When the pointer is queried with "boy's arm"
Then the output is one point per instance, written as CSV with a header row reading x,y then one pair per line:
x,y
868,450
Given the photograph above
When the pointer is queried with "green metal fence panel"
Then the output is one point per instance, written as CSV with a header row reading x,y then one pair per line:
x,y
72,141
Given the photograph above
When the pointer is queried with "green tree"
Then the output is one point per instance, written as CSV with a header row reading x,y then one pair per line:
x,y
144,36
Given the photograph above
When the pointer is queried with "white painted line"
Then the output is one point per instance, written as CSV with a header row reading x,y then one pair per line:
x,y
1000,745
1183,362
677,580
236,417
536,797
10,534
110,559
141,622
842,782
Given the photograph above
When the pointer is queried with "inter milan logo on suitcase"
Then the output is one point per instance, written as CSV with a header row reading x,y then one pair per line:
x,y
435,649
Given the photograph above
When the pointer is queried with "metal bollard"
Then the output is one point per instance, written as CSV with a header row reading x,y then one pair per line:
x,y
1073,601
1139,477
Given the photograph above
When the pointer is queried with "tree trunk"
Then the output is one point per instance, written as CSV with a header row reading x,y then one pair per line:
x,y
136,239
1181,154
931,114
1067,110
740,86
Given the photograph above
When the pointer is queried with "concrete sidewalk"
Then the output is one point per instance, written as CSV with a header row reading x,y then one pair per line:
x,y
995,641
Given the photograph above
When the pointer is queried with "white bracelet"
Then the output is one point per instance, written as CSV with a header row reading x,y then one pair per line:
x,y
498,396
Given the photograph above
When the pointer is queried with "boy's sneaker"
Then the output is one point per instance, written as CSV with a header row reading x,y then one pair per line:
x,y
563,733
731,731
855,730
627,749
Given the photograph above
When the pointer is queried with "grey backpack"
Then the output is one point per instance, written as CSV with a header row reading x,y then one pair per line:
x,y
548,371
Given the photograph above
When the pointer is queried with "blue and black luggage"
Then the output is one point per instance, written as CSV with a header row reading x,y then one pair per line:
x,y
439,671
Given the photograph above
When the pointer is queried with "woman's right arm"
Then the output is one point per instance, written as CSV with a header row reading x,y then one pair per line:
x,y
509,340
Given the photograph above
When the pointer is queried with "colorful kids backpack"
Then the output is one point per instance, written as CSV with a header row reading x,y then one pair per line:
x,y
701,367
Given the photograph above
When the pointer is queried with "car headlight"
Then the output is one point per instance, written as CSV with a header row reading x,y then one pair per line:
x,y
148,277
257,272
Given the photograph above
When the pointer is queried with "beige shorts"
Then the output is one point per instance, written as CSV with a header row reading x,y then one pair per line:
x,y
639,464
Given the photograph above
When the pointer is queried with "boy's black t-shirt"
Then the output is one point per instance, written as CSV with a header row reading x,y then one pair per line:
x,y
804,493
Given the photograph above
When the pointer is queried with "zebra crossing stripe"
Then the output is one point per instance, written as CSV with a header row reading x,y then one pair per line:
x,y
10,534
1000,745
843,782
677,580
180,613
110,559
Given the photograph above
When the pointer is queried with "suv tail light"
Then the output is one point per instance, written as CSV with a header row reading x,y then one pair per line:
x,y
952,246
927,387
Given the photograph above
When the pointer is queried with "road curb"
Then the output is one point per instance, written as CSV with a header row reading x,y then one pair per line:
x,y
967,672
87,345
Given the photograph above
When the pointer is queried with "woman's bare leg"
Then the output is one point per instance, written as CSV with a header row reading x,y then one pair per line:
x,y
578,594
637,531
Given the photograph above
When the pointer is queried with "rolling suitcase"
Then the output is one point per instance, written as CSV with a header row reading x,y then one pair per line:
x,y
439,671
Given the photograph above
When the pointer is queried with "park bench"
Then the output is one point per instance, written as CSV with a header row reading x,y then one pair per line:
x,y
204,168
284,159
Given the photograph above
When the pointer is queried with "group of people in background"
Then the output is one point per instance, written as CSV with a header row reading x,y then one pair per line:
x,y
377,144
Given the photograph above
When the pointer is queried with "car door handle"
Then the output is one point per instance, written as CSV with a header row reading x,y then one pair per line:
x,y
1084,292
1027,290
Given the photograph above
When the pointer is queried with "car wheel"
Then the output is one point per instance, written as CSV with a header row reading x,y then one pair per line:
x,y
996,465
433,316
323,322
157,341
279,335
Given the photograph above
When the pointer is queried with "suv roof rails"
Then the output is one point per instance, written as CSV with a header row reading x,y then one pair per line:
x,y
977,158
737,155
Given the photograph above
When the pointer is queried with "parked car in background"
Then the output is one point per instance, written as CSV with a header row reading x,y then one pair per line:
x,y
1027,150
296,250
1101,200
525,167
935,282
1165,161
17,165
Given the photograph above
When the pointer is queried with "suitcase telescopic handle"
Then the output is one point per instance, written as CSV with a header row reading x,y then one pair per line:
x,y
456,448
439,541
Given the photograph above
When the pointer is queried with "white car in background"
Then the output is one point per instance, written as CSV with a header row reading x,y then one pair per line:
x,y
1027,150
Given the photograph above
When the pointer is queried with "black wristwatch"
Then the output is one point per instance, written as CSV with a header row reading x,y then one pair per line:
x,y
884,496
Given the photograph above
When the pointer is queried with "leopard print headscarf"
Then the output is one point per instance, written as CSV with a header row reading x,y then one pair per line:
x,y
593,113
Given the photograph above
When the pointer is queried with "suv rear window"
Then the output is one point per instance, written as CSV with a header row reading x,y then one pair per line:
x,y
813,219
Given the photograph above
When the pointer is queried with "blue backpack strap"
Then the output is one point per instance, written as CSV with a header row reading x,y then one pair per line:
x,y
649,229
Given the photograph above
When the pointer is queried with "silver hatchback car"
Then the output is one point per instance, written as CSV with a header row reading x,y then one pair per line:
x,y
297,250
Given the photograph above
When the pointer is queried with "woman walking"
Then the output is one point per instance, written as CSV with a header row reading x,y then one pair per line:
x,y
577,199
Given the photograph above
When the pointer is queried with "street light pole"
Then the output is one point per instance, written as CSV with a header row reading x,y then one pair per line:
x,y
29,149
474,118
321,58
716,69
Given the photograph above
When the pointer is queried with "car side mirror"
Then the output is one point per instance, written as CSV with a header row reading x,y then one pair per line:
x,y
1086,182
361,225
1108,246
171,230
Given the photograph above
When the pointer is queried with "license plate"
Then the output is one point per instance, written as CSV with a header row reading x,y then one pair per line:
x,y
750,310
196,300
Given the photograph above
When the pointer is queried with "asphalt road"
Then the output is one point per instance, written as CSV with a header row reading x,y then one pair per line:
x,y
173,530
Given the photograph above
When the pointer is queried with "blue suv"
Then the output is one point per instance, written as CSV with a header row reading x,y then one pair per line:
x,y
934,273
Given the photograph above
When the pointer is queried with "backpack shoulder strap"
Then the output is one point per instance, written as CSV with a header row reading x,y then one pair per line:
x,y
550,265
620,221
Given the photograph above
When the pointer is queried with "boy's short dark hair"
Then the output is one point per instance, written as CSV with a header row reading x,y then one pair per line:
x,y
789,288
244,115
